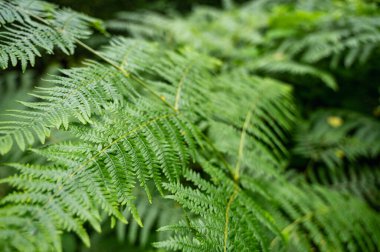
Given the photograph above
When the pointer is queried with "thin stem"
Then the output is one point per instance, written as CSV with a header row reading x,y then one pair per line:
x,y
231,199
236,174
298,221
241,145
162,98
179,88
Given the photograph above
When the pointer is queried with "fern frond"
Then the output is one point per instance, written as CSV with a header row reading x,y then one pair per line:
x,y
331,137
273,113
309,217
132,144
349,40
82,92
187,116
205,29
159,213
279,64
77,94
29,26
315,217
236,42
228,217
362,182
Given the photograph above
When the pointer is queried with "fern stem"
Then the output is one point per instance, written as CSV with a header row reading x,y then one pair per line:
x,y
297,221
160,97
236,175
241,145
93,51
229,204
180,85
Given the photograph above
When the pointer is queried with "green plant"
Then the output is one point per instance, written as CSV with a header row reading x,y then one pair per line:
x,y
202,125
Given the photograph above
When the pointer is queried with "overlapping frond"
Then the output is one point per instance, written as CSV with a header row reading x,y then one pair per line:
x,y
278,64
135,68
132,144
362,181
339,145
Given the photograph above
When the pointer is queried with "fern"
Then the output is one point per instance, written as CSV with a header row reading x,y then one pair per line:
x,y
348,39
218,230
68,157
204,30
253,104
317,212
190,118
333,136
360,44
84,91
361,182
29,26
296,208
159,213
91,174
334,143
77,94
278,64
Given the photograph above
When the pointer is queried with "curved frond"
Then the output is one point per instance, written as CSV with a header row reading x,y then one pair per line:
x,y
77,94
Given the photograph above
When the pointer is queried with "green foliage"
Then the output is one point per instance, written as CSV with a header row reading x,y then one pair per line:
x,y
27,26
195,127
160,212
335,136
338,146
75,94
318,218
292,216
206,31
90,174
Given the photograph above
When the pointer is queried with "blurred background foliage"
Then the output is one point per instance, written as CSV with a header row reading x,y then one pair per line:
x,y
328,50
106,9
